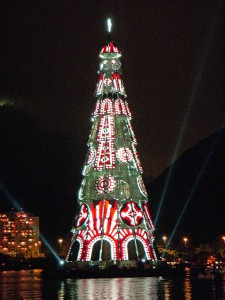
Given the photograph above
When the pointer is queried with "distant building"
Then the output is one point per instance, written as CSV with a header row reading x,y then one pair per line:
x,y
19,234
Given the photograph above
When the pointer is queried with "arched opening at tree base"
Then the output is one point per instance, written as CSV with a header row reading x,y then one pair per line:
x,y
105,254
73,256
136,253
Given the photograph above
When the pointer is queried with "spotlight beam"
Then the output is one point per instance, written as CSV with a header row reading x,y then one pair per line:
x,y
16,205
10,197
193,93
214,144
50,248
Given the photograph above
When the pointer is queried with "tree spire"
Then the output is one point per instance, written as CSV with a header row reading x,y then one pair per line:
x,y
109,25
109,30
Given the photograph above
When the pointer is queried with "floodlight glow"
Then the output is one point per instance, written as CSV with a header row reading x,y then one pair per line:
x,y
50,248
62,262
5,102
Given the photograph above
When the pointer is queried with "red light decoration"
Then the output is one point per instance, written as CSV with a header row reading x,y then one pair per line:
x,y
124,155
105,184
103,220
109,106
110,48
91,156
105,157
82,216
131,214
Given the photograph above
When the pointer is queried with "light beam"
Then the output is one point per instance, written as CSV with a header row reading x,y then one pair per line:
x,y
215,141
16,205
193,93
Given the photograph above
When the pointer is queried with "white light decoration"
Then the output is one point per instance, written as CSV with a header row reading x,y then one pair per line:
x,y
105,157
124,189
131,214
124,155
141,186
81,192
109,25
91,156
81,218
105,184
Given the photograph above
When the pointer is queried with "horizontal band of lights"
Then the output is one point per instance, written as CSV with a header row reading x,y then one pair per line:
x,y
102,223
110,84
108,106
110,48
103,215
118,246
110,65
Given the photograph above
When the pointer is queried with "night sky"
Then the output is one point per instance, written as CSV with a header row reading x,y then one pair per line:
x,y
172,61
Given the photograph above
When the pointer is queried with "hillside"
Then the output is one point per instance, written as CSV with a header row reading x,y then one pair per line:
x,y
198,180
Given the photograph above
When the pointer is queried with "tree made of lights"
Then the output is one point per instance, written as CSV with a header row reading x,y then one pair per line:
x,y
113,223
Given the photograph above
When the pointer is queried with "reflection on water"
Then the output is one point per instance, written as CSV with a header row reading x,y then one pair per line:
x,y
30,285
187,286
18,285
111,288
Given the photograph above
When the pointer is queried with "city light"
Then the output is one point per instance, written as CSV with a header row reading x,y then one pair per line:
x,y
185,241
60,242
60,245
62,262
164,239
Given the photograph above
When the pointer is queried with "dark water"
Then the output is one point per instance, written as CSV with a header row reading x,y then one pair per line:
x,y
29,285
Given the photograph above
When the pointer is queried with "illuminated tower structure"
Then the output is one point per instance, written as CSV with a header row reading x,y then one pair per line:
x,y
113,223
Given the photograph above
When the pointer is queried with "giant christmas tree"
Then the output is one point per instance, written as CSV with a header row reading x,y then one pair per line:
x,y
113,223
